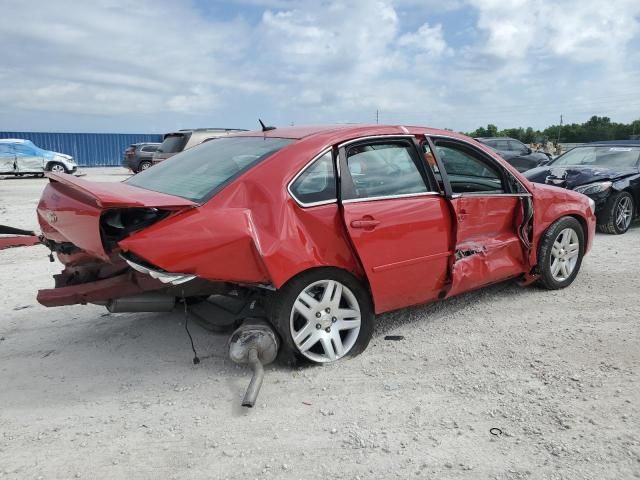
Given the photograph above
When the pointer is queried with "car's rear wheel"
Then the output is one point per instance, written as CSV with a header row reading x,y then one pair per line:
x,y
144,166
617,214
560,253
323,315
56,167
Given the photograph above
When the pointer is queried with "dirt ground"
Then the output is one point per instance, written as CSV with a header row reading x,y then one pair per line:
x,y
87,394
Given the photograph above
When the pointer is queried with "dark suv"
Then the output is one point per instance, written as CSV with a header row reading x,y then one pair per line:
x,y
516,153
138,156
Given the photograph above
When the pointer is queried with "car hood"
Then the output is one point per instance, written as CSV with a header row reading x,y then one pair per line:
x,y
574,176
49,155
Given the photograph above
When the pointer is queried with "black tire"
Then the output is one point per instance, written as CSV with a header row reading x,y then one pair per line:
x,y
607,218
55,166
282,307
143,166
546,258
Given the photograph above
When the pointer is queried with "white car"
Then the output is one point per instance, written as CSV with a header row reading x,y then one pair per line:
x,y
22,157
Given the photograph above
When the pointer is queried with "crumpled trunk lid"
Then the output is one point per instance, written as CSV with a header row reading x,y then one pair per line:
x,y
71,208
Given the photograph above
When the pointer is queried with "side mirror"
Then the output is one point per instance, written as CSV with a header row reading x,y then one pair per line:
x,y
529,150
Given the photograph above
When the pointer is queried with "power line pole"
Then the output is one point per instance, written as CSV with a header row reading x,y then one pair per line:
x,y
377,117
559,129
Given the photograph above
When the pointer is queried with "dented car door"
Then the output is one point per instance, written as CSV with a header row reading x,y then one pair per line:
x,y
397,221
490,208
7,158
28,159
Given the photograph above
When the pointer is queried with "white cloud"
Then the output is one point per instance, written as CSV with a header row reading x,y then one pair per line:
x,y
155,65
427,39
578,30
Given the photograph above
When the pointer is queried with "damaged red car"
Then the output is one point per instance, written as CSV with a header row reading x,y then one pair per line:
x,y
315,229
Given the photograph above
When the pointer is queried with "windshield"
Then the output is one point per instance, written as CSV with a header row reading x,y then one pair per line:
x,y
599,157
198,173
173,143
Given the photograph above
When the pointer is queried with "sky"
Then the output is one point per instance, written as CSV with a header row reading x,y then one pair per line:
x,y
151,66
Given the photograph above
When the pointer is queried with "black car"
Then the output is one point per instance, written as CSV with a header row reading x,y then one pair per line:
x,y
515,152
607,172
138,156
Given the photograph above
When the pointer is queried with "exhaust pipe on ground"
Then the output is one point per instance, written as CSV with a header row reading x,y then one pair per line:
x,y
254,343
145,302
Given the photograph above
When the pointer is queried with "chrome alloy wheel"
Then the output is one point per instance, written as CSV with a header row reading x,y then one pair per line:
x,y
325,321
624,212
564,254
57,168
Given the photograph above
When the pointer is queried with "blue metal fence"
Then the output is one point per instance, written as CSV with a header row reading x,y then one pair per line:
x,y
88,149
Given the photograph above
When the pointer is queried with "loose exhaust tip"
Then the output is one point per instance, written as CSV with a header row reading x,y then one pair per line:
x,y
254,343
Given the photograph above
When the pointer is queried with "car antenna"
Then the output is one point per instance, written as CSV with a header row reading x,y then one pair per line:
x,y
264,127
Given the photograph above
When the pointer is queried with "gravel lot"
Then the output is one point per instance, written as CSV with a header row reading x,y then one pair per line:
x,y
87,394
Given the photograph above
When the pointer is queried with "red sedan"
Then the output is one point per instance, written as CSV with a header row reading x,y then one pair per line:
x,y
316,228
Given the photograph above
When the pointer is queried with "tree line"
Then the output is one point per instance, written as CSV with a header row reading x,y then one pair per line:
x,y
595,129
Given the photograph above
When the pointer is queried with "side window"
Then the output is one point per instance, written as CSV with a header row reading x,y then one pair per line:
x,y
317,183
5,150
468,171
502,145
24,150
384,169
517,146
149,148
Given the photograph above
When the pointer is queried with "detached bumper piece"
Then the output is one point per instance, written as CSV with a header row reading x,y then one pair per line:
x,y
164,277
22,238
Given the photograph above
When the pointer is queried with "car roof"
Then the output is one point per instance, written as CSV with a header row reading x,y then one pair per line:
x,y
14,140
187,130
336,133
633,143
495,138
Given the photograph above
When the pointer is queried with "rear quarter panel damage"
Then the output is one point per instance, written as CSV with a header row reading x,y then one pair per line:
x,y
250,232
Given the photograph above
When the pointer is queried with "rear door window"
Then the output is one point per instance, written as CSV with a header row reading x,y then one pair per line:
x,y
150,148
384,169
173,143
6,150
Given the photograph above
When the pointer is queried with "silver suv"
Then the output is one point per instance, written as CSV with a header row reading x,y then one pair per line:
x,y
176,142
22,157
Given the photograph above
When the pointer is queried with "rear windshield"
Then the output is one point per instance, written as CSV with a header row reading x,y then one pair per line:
x,y
600,157
173,143
200,172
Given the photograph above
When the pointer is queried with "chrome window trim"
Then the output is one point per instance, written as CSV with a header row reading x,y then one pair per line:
x,y
302,170
433,137
390,197
375,137
481,194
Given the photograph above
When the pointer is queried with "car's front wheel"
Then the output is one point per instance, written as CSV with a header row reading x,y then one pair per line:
x,y
56,167
617,214
560,253
323,315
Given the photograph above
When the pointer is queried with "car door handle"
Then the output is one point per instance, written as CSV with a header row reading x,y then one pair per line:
x,y
365,223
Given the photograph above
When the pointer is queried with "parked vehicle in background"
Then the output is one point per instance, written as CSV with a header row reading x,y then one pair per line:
x,y
607,172
317,228
176,142
138,156
23,157
516,153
